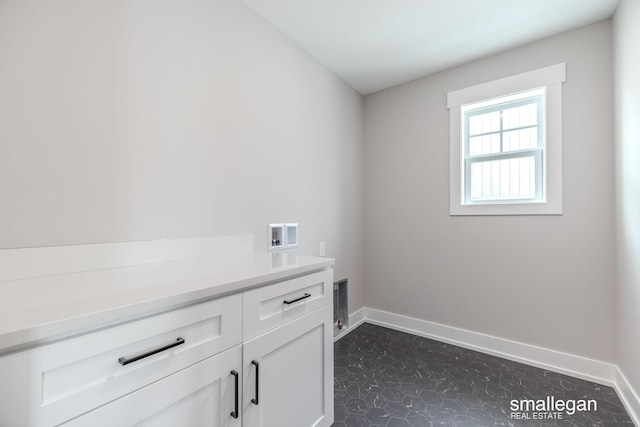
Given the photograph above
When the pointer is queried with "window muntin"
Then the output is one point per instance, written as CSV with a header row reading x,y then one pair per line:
x,y
503,146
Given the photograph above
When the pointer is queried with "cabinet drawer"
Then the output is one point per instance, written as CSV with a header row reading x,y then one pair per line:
x,y
203,395
63,380
270,306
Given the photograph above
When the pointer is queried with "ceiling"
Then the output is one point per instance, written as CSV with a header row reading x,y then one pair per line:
x,y
376,44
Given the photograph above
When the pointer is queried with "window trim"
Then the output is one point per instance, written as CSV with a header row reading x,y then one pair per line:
x,y
551,78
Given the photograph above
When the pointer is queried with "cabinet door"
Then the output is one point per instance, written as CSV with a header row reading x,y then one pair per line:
x,y
201,395
294,372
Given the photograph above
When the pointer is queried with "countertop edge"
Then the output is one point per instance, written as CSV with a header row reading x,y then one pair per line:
x,y
47,333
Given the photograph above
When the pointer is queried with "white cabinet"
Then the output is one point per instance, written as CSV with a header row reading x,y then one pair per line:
x,y
267,307
203,395
289,374
188,367
57,382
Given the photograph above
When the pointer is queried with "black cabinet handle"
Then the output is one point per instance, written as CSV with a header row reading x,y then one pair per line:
x,y
234,414
126,360
255,400
306,295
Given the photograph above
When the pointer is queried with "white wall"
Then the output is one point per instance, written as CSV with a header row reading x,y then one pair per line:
x,y
627,106
542,280
127,120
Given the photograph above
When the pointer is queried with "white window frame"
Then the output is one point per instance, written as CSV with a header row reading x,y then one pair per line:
x,y
551,79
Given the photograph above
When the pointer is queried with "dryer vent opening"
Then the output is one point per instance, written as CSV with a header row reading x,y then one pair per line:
x,y
340,306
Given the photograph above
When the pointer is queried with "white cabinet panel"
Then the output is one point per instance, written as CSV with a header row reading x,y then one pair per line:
x,y
59,381
295,374
202,395
270,306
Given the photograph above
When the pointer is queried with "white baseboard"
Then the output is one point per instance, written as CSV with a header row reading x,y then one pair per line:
x,y
355,320
628,396
564,363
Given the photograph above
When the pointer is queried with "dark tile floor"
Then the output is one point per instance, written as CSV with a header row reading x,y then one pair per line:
x,y
389,378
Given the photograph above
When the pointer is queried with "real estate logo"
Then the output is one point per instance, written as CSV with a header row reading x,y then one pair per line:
x,y
549,408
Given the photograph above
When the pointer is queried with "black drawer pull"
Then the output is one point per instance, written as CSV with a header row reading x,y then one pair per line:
x,y
306,295
257,365
234,414
126,360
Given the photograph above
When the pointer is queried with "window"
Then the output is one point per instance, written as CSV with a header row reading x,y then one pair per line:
x,y
506,145
503,149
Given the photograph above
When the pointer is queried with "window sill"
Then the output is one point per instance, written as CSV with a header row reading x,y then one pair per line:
x,y
545,208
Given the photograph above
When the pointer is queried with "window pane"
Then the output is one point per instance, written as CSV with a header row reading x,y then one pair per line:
x,y
486,144
525,115
520,139
505,179
484,123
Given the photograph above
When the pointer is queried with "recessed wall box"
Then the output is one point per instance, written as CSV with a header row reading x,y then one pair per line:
x,y
340,307
291,235
276,237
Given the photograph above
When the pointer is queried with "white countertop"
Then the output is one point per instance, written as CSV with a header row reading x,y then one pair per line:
x,y
39,310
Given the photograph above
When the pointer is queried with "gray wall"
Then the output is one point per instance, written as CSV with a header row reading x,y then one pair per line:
x,y
627,70
543,280
130,120
134,120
